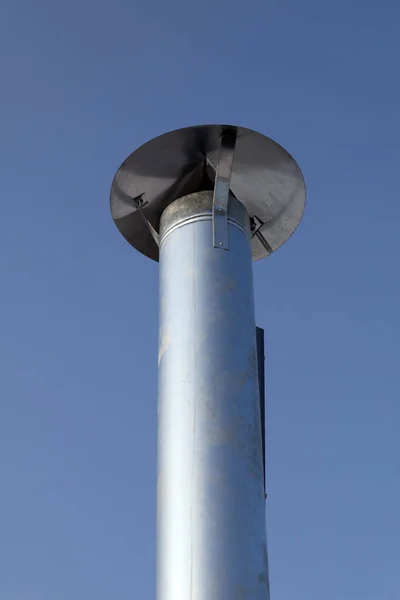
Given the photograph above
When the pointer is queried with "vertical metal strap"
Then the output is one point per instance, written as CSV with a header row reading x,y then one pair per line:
x,y
221,189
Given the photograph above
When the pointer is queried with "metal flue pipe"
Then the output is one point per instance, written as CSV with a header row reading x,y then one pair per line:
x,y
206,202
211,531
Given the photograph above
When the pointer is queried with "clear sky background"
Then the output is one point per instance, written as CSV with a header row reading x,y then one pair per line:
x,y
82,85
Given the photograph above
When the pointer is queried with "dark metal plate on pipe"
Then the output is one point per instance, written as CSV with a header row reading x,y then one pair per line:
x,y
265,178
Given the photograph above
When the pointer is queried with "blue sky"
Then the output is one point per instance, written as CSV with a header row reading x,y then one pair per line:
x,y
84,84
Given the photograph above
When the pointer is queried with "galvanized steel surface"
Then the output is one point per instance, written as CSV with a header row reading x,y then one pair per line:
x,y
182,210
211,530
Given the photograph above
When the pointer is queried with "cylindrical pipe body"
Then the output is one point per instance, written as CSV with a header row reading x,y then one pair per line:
x,y
211,531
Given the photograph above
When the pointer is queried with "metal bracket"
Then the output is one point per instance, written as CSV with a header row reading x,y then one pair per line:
x,y
256,225
221,189
261,386
139,203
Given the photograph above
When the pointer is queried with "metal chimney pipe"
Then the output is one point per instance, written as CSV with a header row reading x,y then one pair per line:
x,y
206,202
211,530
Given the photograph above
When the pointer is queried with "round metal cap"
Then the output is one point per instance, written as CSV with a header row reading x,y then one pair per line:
x,y
264,178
